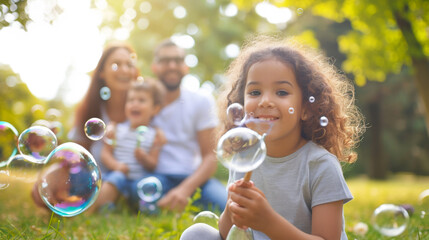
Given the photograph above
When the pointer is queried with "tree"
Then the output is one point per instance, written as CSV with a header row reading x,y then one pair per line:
x,y
385,36
13,11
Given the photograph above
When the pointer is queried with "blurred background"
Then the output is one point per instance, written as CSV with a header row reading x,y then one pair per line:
x,y
48,49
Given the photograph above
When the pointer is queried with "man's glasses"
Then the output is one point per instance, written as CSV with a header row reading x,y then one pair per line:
x,y
167,60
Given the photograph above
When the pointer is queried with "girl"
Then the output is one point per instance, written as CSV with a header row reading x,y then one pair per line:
x,y
299,190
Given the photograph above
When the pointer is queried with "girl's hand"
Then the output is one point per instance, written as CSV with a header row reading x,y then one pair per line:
x,y
248,206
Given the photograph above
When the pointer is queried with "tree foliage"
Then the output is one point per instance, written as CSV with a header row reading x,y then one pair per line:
x,y
13,11
385,36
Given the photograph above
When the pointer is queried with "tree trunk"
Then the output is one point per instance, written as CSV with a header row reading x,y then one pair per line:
x,y
377,164
419,61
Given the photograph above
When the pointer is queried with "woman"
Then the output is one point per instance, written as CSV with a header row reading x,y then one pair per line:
x,y
104,99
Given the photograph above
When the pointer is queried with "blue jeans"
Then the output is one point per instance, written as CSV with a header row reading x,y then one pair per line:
x,y
127,187
213,192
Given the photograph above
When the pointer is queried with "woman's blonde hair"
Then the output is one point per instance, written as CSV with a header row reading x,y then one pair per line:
x,y
317,78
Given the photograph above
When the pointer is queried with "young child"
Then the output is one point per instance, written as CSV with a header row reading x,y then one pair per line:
x,y
299,190
132,157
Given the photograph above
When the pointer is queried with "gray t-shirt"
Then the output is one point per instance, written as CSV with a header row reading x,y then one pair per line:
x,y
296,183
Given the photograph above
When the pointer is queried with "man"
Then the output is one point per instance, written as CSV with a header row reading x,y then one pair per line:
x,y
188,120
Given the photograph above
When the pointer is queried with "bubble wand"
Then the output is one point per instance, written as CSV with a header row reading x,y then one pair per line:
x,y
242,150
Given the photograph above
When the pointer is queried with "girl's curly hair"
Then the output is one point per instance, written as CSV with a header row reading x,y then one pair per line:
x,y
316,77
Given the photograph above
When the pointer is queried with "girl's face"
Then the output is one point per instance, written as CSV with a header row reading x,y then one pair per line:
x,y
273,96
119,70
140,108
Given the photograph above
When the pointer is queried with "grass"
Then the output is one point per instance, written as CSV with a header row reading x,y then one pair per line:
x,y
20,219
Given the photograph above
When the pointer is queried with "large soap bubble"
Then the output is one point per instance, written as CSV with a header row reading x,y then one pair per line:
x,y
390,220
241,149
8,138
70,180
37,142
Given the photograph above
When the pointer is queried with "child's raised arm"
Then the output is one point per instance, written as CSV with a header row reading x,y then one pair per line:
x,y
150,160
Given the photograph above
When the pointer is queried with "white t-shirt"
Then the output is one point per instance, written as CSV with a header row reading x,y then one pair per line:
x,y
296,183
181,120
126,143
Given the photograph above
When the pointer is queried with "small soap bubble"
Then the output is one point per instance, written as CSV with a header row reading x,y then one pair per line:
x,y
207,217
57,128
324,121
37,110
241,149
424,199
311,99
300,11
149,189
70,180
235,113
95,129
141,132
53,114
105,93
390,220
115,67
239,233
8,138
4,179
291,110
23,168
36,143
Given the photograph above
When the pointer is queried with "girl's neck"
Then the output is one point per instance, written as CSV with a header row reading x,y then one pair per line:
x,y
115,106
284,148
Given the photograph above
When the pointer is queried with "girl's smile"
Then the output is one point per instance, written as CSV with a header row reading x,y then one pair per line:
x,y
271,90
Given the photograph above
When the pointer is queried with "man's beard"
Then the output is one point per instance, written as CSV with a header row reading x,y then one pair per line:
x,y
171,86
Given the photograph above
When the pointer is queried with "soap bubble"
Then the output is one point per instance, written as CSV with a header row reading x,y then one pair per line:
x,y
70,181
95,129
141,131
53,114
37,142
23,168
207,217
311,99
390,220
149,189
238,233
4,179
235,113
55,126
424,199
105,93
241,149
324,121
291,110
300,11
8,138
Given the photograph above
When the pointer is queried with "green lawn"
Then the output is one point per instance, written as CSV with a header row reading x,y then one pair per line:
x,y
20,219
